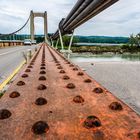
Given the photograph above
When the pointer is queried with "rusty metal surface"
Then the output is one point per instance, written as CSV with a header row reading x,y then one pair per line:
x,y
52,99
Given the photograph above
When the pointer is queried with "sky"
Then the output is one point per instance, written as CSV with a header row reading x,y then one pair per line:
x,y
121,19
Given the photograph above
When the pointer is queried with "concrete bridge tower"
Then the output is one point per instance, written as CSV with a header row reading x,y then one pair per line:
x,y
32,27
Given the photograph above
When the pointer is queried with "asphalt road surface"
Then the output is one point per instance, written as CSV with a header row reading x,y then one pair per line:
x,y
10,59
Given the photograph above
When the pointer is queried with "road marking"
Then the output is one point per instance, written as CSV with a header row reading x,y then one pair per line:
x,y
8,52
11,76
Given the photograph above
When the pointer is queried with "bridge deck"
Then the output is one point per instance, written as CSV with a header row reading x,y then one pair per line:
x,y
56,100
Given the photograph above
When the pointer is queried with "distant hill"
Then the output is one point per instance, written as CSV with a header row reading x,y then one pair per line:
x,y
102,39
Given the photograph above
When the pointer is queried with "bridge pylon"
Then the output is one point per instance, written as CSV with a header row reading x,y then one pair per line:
x,y
32,27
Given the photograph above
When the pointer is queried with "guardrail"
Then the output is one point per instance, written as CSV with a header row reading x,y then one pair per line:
x,y
6,43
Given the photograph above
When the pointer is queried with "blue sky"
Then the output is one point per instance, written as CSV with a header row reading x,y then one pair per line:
x,y
121,19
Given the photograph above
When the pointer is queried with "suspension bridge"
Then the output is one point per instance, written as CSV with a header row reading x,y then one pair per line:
x,y
52,98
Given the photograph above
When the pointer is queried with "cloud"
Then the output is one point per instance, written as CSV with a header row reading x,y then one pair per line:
x,y
121,19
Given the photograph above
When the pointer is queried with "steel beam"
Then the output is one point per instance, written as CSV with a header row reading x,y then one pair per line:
x,y
53,99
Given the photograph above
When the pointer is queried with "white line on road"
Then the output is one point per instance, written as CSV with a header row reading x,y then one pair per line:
x,y
7,52
13,51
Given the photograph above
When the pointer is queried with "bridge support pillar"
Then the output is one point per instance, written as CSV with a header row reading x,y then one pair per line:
x,y
32,25
45,26
32,28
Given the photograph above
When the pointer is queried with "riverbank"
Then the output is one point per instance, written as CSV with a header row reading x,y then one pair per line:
x,y
105,49
121,78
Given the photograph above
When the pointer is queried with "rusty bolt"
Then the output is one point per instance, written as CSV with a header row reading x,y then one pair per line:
x,y
14,94
138,135
40,127
98,90
71,65
43,65
41,87
92,122
30,67
27,70
70,86
65,77
42,72
78,99
60,67
80,73
58,64
24,76
21,83
75,69
42,68
87,81
42,78
41,101
50,112
62,71
68,63
56,61
4,114
115,106
31,63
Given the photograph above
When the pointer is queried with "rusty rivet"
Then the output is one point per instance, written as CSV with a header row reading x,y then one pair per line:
x,y
31,63
4,114
87,81
50,112
42,72
68,63
42,78
80,73
58,64
21,83
43,65
115,106
30,67
42,68
41,101
71,65
62,71
70,85
92,122
65,77
27,70
98,135
60,67
56,61
138,135
98,90
24,76
14,94
75,69
41,87
78,99
40,127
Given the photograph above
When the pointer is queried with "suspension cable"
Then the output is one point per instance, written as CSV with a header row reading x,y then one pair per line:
x,y
3,35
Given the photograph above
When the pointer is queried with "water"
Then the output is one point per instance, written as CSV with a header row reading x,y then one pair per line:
x,y
104,57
